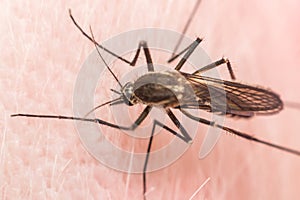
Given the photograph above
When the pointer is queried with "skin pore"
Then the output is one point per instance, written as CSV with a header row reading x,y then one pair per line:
x,y
42,54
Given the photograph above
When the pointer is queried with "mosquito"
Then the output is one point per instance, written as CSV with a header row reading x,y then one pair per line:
x,y
242,100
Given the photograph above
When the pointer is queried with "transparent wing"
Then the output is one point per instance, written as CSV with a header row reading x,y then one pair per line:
x,y
240,99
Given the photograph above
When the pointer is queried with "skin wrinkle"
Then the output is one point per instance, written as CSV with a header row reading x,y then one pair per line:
x,y
43,52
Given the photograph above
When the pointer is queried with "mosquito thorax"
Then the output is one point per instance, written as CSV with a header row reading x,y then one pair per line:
x,y
161,89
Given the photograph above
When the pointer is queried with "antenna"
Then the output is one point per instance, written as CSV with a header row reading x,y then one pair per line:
x,y
95,43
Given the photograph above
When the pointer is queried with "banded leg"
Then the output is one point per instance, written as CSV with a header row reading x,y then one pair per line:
x,y
216,64
189,50
240,134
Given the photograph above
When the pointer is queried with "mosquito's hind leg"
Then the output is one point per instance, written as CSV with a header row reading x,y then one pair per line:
x,y
240,134
189,50
216,64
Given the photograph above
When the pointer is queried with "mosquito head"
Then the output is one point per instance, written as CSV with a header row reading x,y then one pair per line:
x,y
128,94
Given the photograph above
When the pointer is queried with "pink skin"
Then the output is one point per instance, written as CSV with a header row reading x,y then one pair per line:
x,y
42,53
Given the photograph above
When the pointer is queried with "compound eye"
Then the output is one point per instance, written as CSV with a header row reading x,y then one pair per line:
x,y
127,102
128,94
127,98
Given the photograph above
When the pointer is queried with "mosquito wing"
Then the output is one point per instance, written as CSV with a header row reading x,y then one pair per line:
x,y
231,98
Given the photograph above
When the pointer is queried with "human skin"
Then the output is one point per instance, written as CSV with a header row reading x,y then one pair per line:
x,y
42,53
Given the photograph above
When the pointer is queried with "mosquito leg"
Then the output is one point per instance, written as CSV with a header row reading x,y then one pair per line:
x,y
155,123
132,63
100,46
186,137
147,158
141,118
185,28
137,122
216,64
142,44
147,54
189,50
238,133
